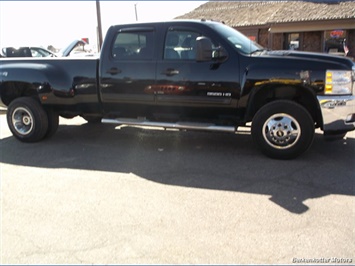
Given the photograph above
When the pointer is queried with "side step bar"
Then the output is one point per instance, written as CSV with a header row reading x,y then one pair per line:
x,y
178,125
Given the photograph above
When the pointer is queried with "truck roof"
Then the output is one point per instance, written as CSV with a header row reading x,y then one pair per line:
x,y
198,21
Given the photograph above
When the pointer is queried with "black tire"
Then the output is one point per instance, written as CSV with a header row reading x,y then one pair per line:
x,y
27,120
53,123
283,129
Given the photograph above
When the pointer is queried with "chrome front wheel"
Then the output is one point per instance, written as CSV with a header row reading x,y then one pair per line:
x,y
283,129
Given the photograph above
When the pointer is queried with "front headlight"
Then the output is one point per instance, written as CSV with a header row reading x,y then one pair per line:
x,y
338,82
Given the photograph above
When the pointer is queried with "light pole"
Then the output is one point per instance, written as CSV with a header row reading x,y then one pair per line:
x,y
99,27
135,10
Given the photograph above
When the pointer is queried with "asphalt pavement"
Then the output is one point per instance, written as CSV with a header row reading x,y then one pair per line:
x,y
96,194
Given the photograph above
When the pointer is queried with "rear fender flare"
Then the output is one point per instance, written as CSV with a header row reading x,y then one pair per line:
x,y
36,78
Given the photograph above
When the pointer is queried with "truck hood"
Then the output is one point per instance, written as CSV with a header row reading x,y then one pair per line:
x,y
309,55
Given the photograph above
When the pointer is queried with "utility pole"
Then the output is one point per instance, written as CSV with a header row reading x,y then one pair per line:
x,y
99,27
135,10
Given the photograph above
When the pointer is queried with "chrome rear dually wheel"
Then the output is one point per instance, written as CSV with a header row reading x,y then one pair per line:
x,y
22,121
27,119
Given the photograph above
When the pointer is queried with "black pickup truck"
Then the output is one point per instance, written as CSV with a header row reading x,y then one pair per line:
x,y
192,75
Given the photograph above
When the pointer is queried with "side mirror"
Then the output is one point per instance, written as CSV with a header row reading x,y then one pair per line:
x,y
203,49
220,54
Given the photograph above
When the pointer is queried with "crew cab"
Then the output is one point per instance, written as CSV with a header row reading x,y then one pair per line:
x,y
185,74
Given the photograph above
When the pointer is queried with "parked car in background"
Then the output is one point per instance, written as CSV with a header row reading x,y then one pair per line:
x,y
27,52
77,48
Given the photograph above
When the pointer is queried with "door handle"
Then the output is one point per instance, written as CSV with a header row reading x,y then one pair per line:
x,y
171,72
114,71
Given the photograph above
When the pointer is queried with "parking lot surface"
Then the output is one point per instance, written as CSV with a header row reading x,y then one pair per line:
x,y
96,194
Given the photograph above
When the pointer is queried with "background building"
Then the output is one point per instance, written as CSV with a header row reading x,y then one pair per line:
x,y
316,26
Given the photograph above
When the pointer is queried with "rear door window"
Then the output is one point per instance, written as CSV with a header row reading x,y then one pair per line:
x,y
135,45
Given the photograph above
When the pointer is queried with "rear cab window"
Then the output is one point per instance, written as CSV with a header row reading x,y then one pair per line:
x,y
133,44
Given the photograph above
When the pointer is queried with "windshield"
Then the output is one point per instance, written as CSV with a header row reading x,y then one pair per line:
x,y
237,39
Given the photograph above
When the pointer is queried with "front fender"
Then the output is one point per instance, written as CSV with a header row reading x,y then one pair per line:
x,y
264,83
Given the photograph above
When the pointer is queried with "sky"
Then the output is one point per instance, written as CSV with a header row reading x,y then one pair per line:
x,y
57,23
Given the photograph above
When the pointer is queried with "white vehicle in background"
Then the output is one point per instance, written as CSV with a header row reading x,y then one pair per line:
x,y
77,48
27,51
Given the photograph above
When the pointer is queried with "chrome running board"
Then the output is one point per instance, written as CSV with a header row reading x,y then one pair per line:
x,y
178,125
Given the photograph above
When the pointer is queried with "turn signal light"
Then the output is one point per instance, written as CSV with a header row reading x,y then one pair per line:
x,y
338,82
